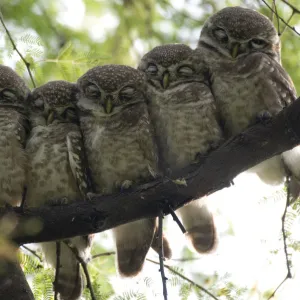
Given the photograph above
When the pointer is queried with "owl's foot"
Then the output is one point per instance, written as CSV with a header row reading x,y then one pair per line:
x,y
91,196
263,117
126,184
199,158
57,202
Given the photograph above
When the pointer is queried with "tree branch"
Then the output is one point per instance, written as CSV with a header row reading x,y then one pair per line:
x,y
278,17
243,151
15,285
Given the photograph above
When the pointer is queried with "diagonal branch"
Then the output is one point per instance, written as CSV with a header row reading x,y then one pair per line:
x,y
243,151
84,267
27,64
186,279
281,19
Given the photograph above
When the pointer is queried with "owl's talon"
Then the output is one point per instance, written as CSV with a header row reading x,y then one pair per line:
x,y
199,158
263,117
127,184
90,196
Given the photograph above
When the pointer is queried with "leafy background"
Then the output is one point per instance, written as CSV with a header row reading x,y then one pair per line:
x,y
62,39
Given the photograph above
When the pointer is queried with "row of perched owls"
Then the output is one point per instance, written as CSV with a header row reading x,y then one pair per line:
x,y
132,125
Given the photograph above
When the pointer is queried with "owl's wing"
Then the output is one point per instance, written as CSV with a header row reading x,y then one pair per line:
x,y
148,145
272,82
78,161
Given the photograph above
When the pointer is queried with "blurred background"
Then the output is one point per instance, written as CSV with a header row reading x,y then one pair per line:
x,y
61,39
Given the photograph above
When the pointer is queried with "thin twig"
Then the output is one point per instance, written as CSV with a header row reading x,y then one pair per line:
x,y
103,254
33,253
176,219
170,269
289,273
288,21
282,20
84,267
295,9
277,19
27,64
161,255
288,266
272,13
185,278
58,245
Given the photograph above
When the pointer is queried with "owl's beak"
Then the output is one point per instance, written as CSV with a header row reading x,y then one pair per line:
x,y
108,105
235,50
166,80
51,117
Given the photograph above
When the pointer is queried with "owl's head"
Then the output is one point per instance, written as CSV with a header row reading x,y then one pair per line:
x,y
109,89
54,102
168,65
13,90
235,31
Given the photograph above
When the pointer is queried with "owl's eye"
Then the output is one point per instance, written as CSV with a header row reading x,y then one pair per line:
x,y
152,69
127,93
9,95
93,91
257,43
221,35
185,71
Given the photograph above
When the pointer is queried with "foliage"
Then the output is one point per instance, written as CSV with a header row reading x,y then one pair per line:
x,y
121,31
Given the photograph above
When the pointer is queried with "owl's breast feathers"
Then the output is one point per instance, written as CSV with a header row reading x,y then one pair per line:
x,y
120,140
14,161
185,121
49,174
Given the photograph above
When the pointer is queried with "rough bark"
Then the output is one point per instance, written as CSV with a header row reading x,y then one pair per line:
x,y
217,171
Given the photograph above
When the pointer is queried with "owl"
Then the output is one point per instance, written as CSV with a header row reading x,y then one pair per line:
x,y
242,51
120,149
57,170
14,129
185,119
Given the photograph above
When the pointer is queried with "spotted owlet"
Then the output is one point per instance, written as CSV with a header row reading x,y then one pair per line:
x,y
242,51
120,148
13,132
57,171
183,113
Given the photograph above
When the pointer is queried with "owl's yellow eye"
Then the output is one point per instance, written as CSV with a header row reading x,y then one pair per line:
x,y
152,69
185,71
127,93
221,35
92,91
257,43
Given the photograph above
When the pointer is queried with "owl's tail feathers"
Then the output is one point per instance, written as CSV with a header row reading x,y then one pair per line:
x,y
199,224
133,241
166,245
294,189
70,279
291,160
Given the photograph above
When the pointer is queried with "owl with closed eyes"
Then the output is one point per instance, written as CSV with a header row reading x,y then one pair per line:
x,y
57,170
14,129
120,149
242,51
185,119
